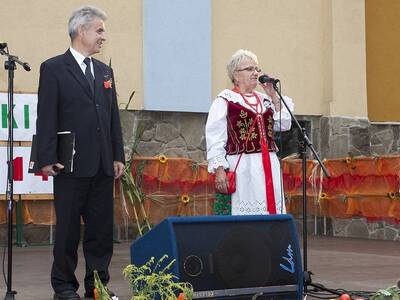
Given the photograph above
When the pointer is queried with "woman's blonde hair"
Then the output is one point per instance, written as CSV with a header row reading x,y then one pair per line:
x,y
237,58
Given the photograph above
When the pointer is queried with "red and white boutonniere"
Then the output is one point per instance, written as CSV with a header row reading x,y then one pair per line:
x,y
107,83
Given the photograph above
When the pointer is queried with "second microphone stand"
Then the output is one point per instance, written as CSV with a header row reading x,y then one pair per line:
x,y
10,65
304,143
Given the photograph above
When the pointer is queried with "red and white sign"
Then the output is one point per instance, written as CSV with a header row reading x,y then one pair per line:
x,y
24,182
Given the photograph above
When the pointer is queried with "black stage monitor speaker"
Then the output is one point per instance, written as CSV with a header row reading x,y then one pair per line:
x,y
229,257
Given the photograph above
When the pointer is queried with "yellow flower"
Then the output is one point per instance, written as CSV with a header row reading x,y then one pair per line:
x,y
162,158
350,162
185,198
391,195
323,196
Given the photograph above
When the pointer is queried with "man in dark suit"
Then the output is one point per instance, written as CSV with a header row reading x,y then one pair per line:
x,y
77,94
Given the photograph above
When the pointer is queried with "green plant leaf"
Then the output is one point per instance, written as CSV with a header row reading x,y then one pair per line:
x,y
151,280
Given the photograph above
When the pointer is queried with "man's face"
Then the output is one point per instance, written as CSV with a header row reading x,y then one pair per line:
x,y
93,37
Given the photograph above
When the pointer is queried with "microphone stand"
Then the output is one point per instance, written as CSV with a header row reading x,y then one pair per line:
x,y
303,150
10,66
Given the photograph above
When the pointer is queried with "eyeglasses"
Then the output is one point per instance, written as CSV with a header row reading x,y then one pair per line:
x,y
250,69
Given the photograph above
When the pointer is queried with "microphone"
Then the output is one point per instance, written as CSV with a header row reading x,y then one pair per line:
x,y
266,79
26,66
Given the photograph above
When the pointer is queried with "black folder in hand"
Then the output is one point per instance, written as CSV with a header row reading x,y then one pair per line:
x,y
65,152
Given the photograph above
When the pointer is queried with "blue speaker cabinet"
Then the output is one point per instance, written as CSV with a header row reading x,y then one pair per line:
x,y
229,257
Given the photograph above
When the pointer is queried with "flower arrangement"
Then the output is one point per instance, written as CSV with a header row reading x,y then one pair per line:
x,y
150,281
391,293
100,291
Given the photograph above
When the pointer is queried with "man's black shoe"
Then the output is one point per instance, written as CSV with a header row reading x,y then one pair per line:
x,y
90,294
66,295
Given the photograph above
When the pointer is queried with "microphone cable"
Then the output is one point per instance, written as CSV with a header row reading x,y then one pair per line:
x,y
279,87
322,292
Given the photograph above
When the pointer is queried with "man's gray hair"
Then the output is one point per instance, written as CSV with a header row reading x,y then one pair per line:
x,y
237,58
83,16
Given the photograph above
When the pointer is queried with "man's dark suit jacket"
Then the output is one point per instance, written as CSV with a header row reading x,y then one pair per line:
x,y
66,103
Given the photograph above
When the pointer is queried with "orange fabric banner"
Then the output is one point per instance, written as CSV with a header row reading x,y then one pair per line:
x,y
174,187
361,186
358,187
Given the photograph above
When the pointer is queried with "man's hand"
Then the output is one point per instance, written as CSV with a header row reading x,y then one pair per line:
x,y
118,169
52,170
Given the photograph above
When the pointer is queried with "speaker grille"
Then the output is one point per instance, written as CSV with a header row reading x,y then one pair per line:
x,y
243,259
236,254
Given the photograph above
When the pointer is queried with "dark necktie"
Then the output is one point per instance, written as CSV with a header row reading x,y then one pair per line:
x,y
88,74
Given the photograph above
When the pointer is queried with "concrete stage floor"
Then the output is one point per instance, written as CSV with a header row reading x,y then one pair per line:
x,y
351,264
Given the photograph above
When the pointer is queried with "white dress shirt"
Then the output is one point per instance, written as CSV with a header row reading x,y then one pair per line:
x,y
79,59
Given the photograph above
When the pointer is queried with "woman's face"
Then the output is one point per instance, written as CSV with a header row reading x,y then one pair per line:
x,y
246,75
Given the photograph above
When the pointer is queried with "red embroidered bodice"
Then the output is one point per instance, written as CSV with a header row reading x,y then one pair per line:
x,y
239,121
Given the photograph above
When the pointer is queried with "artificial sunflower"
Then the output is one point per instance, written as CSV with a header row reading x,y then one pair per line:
x,y
162,158
391,195
185,198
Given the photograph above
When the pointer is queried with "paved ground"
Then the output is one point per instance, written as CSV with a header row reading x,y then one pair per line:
x,y
337,262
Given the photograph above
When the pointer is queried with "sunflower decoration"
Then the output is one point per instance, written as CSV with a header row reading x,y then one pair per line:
x,y
183,207
391,195
185,198
162,158
323,196
350,162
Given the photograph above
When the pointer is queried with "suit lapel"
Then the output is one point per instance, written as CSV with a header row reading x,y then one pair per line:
x,y
77,73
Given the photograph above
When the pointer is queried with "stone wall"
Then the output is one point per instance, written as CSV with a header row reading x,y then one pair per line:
x,y
170,133
359,227
354,137
182,135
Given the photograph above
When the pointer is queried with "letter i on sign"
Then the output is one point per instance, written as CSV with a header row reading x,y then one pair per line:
x,y
26,116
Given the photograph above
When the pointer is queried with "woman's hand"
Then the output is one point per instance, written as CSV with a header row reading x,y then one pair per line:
x,y
268,87
221,183
270,91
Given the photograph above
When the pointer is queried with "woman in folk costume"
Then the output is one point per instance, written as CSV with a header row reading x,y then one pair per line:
x,y
239,132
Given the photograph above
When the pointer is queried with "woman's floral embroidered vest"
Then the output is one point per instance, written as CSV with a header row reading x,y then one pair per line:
x,y
240,120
